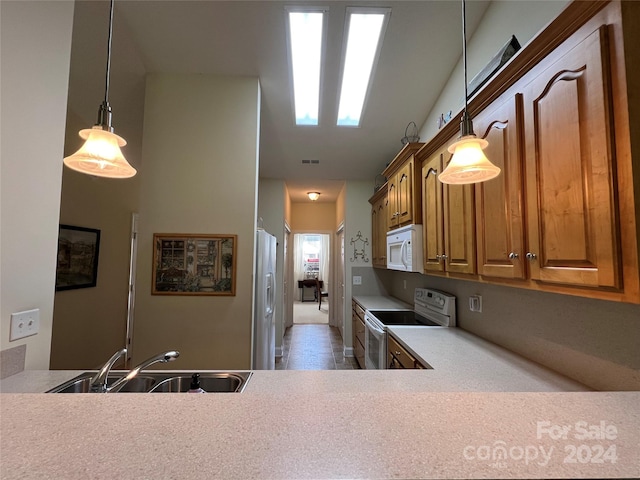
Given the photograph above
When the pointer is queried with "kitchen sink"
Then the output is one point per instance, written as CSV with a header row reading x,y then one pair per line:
x,y
157,382
213,382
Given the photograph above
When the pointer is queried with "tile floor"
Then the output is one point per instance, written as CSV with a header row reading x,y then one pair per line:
x,y
313,347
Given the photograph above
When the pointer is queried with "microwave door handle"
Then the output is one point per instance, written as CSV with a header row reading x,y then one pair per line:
x,y
403,253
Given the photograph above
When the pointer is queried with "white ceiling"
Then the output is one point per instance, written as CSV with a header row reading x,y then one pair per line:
x,y
423,43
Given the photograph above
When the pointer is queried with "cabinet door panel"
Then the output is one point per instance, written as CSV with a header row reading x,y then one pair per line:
x,y
571,199
405,194
392,211
499,202
459,226
432,214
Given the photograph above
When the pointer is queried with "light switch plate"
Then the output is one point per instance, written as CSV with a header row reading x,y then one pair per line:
x,y
24,324
357,280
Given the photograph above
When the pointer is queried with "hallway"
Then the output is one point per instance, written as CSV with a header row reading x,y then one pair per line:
x,y
313,347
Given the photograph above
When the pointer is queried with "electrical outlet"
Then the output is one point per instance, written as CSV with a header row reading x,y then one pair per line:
x,y
24,324
475,303
357,280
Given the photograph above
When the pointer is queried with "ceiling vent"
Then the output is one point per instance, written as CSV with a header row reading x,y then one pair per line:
x,y
310,162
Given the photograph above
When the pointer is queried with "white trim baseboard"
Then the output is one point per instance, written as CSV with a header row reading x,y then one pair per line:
x,y
348,351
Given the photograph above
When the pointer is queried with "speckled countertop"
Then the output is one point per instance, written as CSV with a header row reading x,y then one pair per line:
x,y
377,302
312,435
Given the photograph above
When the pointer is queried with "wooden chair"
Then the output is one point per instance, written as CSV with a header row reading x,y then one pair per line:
x,y
320,293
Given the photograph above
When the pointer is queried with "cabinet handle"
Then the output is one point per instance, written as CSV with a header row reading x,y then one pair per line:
x,y
444,258
397,353
531,256
513,256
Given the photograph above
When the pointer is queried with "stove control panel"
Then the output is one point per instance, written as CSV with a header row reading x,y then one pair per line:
x,y
435,300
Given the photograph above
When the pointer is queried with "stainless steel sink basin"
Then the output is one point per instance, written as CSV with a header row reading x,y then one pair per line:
x,y
82,383
165,382
209,382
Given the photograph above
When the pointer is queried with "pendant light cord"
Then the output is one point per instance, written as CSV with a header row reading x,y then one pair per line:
x,y
464,51
104,112
466,125
106,83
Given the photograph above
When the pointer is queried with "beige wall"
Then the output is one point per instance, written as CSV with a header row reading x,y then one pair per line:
x,y
90,324
36,48
198,181
357,218
313,217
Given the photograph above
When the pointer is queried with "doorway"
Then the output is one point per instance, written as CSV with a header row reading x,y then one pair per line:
x,y
312,273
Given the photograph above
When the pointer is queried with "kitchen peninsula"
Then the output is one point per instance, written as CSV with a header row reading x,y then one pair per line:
x,y
318,424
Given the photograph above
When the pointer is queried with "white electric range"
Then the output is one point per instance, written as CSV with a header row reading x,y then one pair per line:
x,y
432,308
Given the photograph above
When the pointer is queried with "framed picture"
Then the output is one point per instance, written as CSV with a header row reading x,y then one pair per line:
x,y
77,265
194,264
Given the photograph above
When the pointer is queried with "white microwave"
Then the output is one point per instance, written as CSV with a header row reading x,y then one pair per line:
x,y
404,249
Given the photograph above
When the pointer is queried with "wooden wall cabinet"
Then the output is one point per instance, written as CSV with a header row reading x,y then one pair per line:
x,y
357,318
572,224
404,195
379,204
500,202
447,218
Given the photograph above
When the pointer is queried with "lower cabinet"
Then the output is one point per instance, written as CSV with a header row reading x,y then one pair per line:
x,y
399,357
357,317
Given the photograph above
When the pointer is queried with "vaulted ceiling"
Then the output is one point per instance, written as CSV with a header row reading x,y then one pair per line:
x,y
422,44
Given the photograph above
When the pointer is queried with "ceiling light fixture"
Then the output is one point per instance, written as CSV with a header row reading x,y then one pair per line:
x,y
313,196
469,163
101,155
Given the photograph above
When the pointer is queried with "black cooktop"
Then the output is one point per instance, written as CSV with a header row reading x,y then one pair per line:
x,y
402,317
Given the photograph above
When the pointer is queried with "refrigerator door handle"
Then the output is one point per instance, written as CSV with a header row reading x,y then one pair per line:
x,y
270,293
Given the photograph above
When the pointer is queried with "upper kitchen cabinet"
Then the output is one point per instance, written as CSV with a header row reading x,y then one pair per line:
x,y
500,202
379,204
571,185
447,217
403,188
563,123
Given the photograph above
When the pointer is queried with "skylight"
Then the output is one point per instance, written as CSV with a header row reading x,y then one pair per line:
x,y
305,50
366,30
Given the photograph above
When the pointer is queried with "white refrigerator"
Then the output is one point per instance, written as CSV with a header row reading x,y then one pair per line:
x,y
264,329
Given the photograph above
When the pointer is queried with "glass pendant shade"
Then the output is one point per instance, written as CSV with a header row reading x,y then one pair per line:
x,y
100,155
469,163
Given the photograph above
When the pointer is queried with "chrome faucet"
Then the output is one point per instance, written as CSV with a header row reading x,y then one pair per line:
x,y
99,380
160,358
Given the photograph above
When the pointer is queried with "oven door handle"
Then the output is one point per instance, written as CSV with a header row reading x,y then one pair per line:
x,y
369,324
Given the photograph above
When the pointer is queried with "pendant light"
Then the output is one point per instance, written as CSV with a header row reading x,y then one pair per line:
x,y
100,155
469,163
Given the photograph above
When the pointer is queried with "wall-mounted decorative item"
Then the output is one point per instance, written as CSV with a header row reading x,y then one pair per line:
x,y
444,119
379,181
503,55
77,265
410,136
194,264
359,252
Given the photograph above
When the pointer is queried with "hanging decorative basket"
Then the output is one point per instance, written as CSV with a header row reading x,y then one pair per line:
x,y
410,136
